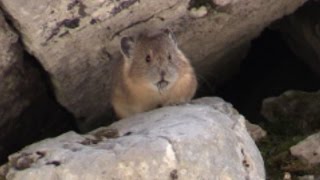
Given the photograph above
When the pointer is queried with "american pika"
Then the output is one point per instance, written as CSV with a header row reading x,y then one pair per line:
x,y
153,73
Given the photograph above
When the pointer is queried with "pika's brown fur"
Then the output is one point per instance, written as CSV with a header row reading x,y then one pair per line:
x,y
153,72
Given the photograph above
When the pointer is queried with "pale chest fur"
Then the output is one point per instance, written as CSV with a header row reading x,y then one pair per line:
x,y
133,97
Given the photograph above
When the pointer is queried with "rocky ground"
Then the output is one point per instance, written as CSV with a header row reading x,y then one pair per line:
x,y
296,149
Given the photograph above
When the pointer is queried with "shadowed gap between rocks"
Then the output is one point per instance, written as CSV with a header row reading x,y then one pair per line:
x,y
50,89
43,118
269,69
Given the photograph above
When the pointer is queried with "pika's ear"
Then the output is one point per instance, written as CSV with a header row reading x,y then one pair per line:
x,y
127,44
170,35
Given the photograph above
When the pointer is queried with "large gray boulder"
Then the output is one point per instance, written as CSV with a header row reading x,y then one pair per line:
x,y
192,141
77,41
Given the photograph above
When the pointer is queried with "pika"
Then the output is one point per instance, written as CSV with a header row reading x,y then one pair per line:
x,y
152,73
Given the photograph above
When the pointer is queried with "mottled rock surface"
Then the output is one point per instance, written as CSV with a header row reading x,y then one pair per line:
x,y
308,150
78,41
192,141
294,111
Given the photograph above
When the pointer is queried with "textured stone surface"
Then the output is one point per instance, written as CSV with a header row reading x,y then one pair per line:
x,y
301,30
18,87
193,141
293,111
255,131
13,84
308,150
27,113
308,177
77,41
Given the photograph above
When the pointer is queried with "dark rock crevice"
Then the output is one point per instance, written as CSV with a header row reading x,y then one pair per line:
x,y
44,117
31,61
49,88
270,69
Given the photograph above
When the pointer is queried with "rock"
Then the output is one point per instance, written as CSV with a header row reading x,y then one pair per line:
x,y
301,30
287,176
199,12
294,112
24,102
14,88
306,177
308,150
192,141
255,131
17,87
77,42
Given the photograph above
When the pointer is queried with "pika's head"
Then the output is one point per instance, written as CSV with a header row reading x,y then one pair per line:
x,y
154,59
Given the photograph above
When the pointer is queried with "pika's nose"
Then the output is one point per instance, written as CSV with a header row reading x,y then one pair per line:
x,y
162,73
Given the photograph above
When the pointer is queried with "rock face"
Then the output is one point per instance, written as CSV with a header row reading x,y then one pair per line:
x,y
308,150
255,131
77,41
294,111
17,88
12,72
26,111
301,30
308,177
193,141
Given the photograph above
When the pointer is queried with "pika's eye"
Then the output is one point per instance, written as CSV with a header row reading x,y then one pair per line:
x,y
148,58
169,56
